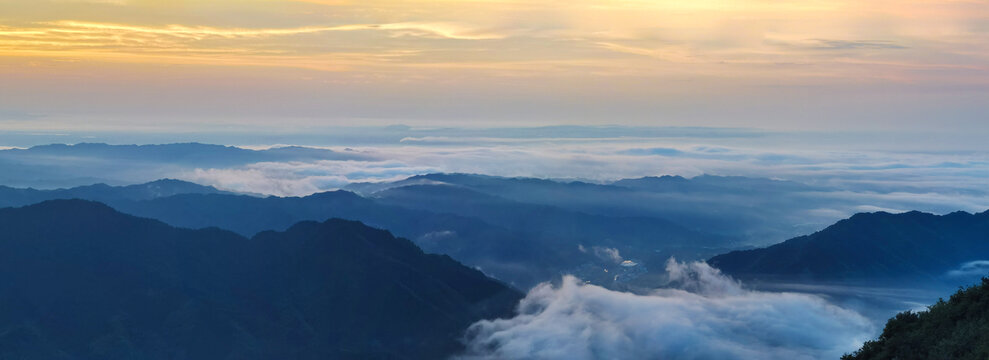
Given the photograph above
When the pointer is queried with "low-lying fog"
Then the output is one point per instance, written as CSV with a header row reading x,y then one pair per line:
x,y
699,313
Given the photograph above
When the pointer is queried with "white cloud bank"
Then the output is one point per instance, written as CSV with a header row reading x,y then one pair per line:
x,y
705,316
853,181
300,178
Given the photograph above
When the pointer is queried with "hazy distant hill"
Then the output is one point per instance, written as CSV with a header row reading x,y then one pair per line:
x,y
501,252
956,329
498,251
711,183
105,193
79,280
520,243
643,237
186,153
910,245
58,165
523,188
758,211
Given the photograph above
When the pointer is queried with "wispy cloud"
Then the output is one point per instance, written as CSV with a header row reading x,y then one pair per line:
x,y
443,30
970,269
109,37
857,44
232,46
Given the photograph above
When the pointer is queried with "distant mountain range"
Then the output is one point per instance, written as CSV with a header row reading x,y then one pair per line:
x,y
524,231
58,165
646,237
752,210
104,193
179,153
79,280
913,245
518,242
755,211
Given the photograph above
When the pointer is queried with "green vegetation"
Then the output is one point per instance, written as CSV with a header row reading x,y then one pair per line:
x,y
956,329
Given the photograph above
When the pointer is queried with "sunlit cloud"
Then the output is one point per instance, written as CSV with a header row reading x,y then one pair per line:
x,y
123,38
112,2
726,32
519,60
451,31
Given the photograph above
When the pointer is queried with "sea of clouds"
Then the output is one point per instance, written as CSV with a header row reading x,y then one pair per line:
x,y
702,315
848,182
866,172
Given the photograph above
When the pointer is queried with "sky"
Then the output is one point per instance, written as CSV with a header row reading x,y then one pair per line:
x,y
263,65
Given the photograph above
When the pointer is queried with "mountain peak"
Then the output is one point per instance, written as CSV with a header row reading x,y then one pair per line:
x,y
877,245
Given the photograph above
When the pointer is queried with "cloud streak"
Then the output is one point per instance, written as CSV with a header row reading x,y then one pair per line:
x,y
444,30
67,35
705,316
972,268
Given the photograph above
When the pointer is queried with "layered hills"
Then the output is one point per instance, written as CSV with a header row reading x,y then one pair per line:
x,y
79,280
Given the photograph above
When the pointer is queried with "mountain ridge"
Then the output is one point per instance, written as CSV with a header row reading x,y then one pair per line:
x,y
154,291
880,244
506,238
